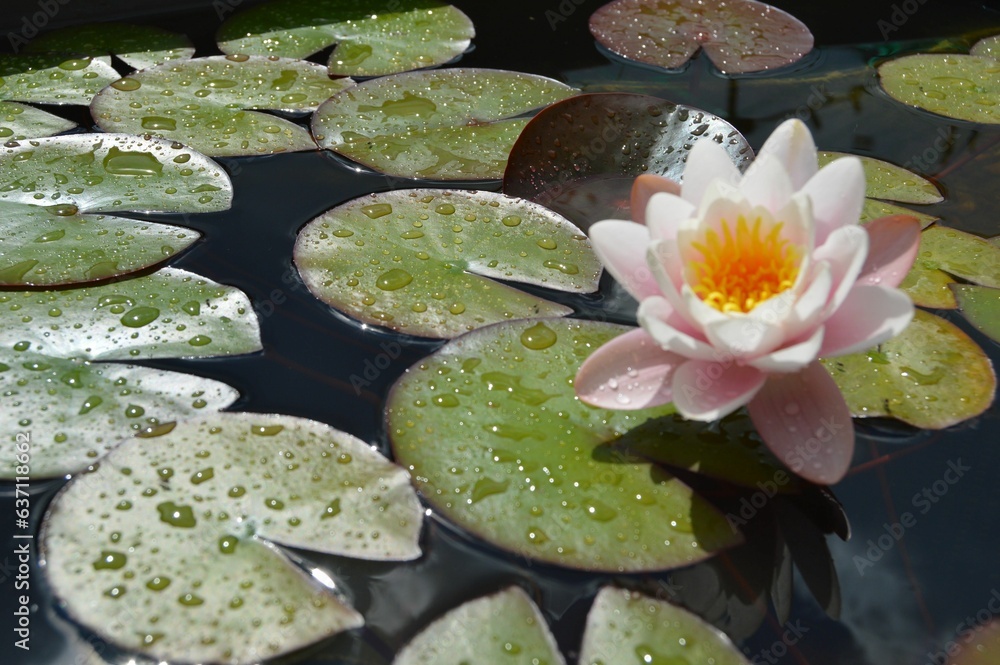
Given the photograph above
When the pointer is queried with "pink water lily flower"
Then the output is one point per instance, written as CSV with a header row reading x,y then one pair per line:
x,y
743,283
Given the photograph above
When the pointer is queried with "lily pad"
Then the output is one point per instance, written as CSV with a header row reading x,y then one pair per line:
x,y
629,627
580,156
48,79
884,180
20,121
945,254
166,548
964,87
981,306
449,124
874,209
370,40
988,46
138,46
424,261
930,376
205,103
505,628
738,36
79,410
497,442
167,314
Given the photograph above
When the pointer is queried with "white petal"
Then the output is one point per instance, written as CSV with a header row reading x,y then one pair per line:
x,y
791,358
664,214
621,247
743,337
707,161
837,192
845,252
792,144
809,308
766,183
869,316
664,261
671,332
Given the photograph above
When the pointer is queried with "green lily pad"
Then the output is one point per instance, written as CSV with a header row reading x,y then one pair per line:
x,y
20,121
174,537
981,306
49,184
48,79
205,103
629,627
874,209
888,181
449,124
423,261
964,87
988,46
79,410
505,628
139,46
930,376
370,40
944,255
496,441
167,314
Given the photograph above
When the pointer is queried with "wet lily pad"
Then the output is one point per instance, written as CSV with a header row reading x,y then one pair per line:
x,y
964,87
138,46
166,548
738,36
629,627
944,255
79,410
874,209
450,124
580,156
424,261
505,628
370,40
20,121
168,314
981,306
497,441
931,376
206,103
884,180
988,46
48,79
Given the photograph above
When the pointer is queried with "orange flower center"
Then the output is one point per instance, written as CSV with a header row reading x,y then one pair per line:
x,y
744,267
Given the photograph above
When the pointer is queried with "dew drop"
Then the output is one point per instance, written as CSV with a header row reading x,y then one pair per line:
x,y
538,337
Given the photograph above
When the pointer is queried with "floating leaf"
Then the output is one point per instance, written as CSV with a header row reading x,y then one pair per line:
x,y
78,410
497,441
965,87
629,627
979,644
404,35
874,209
988,46
945,254
166,548
929,287
738,36
449,124
203,103
167,314
931,376
19,122
580,156
139,46
47,79
981,306
444,246
888,181
505,628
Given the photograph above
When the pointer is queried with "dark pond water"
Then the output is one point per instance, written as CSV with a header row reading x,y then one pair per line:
x,y
928,588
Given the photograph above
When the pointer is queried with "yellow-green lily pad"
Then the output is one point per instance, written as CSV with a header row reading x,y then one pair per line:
x,y
981,306
629,627
370,40
20,121
964,87
178,533
449,124
211,104
932,376
505,628
988,46
874,209
425,261
139,46
53,79
170,313
77,410
497,441
944,255
884,180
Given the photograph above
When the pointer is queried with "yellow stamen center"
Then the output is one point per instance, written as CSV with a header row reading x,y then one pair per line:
x,y
740,270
